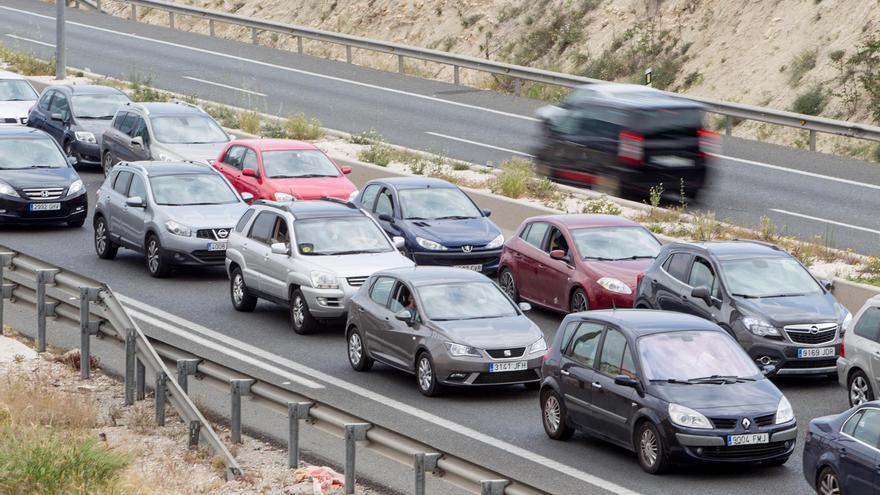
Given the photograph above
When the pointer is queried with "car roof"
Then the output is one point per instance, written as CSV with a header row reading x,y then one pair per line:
x,y
414,182
86,89
155,168
638,322
734,249
275,144
632,95
4,74
22,132
584,220
429,275
323,208
166,108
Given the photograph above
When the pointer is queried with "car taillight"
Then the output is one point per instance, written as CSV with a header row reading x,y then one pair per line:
x,y
639,278
631,147
710,142
842,348
547,354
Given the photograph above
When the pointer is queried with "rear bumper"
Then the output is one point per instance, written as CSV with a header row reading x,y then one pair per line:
x,y
17,210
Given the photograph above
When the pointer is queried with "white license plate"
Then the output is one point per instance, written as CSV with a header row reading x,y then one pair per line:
x,y
748,439
217,246
45,206
476,268
816,353
513,366
672,161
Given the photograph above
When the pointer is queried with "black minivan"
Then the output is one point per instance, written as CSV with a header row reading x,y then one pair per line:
x,y
626,139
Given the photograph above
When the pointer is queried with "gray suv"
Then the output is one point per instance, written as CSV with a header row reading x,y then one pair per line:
x,y
162,132
175,213
311,256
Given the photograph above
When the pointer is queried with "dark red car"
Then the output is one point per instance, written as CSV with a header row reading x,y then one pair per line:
x,y
283,170
573,263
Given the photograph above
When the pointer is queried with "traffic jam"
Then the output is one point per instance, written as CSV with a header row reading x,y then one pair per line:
x,y
666,350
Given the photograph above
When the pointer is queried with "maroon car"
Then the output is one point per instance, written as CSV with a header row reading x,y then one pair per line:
x,y
574,263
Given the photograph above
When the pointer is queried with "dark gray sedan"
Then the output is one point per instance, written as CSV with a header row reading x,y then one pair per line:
x,y
448,326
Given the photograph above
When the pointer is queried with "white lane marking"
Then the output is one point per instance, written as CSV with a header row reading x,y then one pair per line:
x,y
141,309
475,143
22,38
825,220
799,172
212,83
280,67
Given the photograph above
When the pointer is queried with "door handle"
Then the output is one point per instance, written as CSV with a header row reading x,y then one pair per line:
x,y
597,385
843,452
361,309
564,372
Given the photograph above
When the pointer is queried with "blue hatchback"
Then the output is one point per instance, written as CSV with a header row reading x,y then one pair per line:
x,y
841,453
441,224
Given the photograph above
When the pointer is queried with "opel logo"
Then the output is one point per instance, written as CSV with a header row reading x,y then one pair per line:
x,y
222,233
44,193
467,249
746,423
814,329
507,353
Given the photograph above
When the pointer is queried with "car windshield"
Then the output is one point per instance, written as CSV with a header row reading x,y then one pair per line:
x,y
615,243
433,203
298,163
188,129
659,120
693,354
16,90
465,301
18,154
768,277
341,235
191,190
97,106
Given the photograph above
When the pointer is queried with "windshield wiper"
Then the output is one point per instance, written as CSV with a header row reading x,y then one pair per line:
x,y
788,295
634,257
415,218
599,258
454,217
746,296
353,251
722,379
670,380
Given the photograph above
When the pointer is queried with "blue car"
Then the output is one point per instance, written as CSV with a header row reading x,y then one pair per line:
x,y
441,224
841,455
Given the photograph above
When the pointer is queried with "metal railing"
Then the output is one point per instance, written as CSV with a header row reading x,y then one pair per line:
x,y
65,295
730,111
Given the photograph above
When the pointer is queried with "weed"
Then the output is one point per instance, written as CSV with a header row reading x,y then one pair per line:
x,y
767,230
73,359
217,464
601,205
274,129
802,63
655,193
140,417
467,22
705,226
250,122
366,137
543,190
810,102
26,63
460,166
18,358
377,153
298,126
513,179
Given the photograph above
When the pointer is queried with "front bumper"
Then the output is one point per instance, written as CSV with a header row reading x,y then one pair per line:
x,y
602,298
688,445
487,259
17,210
192,251
86,153
328,303
783,355
464,371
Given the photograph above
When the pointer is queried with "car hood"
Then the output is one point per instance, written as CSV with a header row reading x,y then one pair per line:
x,y
626,271
206,216
758,397
205,153
39,177
315,187
782,311
491,333
359,265
454,233
549,112
15,109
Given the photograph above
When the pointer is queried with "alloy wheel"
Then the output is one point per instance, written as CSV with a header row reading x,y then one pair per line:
x,y
508,284
828,484
426,374
858,391
552,413
107,164
579,302
355,348
238,289
101,237
153,255
648,448
298,311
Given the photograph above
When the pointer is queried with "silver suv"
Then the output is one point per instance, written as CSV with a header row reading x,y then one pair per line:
x,y
311,256
175,213
858,367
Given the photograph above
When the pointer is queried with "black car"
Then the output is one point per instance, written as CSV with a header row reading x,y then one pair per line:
x,y
625,138
760,294
76,117
673,388
37,182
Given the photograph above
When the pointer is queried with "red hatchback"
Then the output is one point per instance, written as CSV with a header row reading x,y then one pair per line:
x,y
573,263
283,170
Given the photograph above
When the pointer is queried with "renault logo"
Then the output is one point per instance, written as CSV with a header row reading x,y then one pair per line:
x,y
222,233
467,249
507,353
814,329
746,423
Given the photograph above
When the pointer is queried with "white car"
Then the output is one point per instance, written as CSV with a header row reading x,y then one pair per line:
x,y
17,96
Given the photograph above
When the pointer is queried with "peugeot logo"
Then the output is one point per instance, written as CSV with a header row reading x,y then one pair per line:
x,y
746,423
467,249
44,193
814,329
507,353
222,233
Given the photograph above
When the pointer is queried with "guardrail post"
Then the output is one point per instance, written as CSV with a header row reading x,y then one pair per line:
x,y
130,356
237,389
424,462
517,87
171,20
141,378
295,412
134,15
493,487
87,328
812,140
728,125
354,432
195,428
401,67
185,368
254,33
211,27
44,308
161,392
348,53
5,289
455,76
299,45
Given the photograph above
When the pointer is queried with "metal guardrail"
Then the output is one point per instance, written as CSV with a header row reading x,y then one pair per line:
x,y
518,73
65,295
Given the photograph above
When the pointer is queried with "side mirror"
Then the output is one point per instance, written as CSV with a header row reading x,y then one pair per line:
x,y
249,172
626,381
137,142
72,160
399,242
345,169
386,218
828,284
405,316
558,254
135,202
702,293
247,197
524,306
487,212
769,370
56,116
280,248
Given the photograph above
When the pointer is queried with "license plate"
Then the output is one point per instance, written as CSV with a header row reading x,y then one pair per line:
x,y
816,353
217,246
673,161
476,268
748,439
45,206
514,366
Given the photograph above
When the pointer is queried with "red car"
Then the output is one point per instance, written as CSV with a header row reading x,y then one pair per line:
x,y
573,263
283,170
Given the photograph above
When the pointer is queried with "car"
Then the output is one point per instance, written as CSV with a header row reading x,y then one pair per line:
x,y
626,139
858,366
842,451
76,116
37,182
573,263
448,326
175,213
17,96
174,131
310,256
673,388
763,296
439,222
283,170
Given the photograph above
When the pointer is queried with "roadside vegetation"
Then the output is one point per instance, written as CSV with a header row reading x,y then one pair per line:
x,y
26,64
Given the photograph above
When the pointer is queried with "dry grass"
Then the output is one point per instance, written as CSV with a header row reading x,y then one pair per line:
x,y
29,400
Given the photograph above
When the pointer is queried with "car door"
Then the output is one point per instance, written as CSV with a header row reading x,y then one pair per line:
x,y
529,260
868,349
277,266
138,152
554,276
134,219
116,204
857,450
702,274
403,338
255,248
119,138
614,406
246,183
385,205
59,107
40,112
669,288
230,165
373,314
577,373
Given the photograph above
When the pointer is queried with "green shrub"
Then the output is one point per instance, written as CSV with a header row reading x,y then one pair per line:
x,y
377,153
601,205
460,166
513,180
366,137
802,63
811,102
250,122
141,89
298,126
26,64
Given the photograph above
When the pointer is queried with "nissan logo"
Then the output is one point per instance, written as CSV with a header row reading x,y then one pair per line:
x,y
467,249
746,423
222,233
814,329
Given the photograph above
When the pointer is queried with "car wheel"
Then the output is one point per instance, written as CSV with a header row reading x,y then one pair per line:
x,y
859,389
242,299
357,352
104,247
579,301
157,265
553,416
303,321
68,148
650,449
508,284
426,378
828,483
107,163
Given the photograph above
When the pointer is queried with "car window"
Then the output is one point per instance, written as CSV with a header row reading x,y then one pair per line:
x,y
867,428
120,184
187,129
702,275
16,90
557,241
250,161
616,357
234,156
137,187
100,106
570,123
263,227
436,203
239,227
139,128
678,266
30,153
402,298
44,101
369,196
127,123
340,236
59,105
283,164
868,325
280,233
534,234
851,423
585,343
385,205
381,290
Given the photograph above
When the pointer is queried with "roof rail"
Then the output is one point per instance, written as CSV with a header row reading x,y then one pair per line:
x,y
188,104
762,243
339,201
271,204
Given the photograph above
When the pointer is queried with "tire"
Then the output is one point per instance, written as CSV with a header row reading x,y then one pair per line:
x,y
508,284
828,483
242,299
859,388
68,148
157,264
107,163
300,317
104,247
532,385
553,416
650,450
579,301
426,377
75,224
357,352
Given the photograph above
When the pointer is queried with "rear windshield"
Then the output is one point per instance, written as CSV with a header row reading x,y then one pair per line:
x,y
658,120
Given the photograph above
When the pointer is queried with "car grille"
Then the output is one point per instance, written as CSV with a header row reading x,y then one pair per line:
x,y
745,451
356,281
724,423
804,334
210,256
506,377
811,363
214,234
43,193
515,352
766,420
434,259
9,120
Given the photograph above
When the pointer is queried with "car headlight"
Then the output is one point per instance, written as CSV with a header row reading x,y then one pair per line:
x,y
846,321
687,417
760,327
85,137
429,244
613,285
496,242
540,345
279,196
75,187
353,195
324,280
7,190
178,228
784,412
459,350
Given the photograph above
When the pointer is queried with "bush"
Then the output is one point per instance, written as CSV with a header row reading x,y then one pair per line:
x,y
513,180
250,122
142,89
601,205
811,102
26,64
802,63
298,126
377,153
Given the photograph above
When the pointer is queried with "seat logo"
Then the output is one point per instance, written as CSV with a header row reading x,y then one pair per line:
x,y
222,233
746,423
467,249
814,329
507,353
